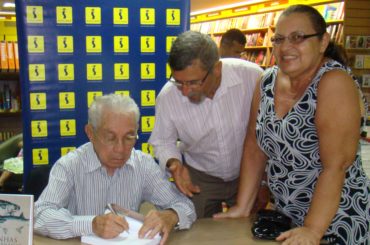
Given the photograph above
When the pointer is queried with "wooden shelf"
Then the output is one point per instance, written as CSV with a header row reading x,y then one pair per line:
x,y
10,114
6,75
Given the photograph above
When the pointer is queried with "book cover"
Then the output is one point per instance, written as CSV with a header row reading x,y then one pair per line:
x,y
366,80
16,56
135,221
3,56
366,61
359,61
11,61
16,219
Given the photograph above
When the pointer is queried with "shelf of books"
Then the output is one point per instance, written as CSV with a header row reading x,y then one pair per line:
x,y
259,27
10,104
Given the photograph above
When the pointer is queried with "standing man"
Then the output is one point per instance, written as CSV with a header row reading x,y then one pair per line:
x,y
232,44
109,170
201,121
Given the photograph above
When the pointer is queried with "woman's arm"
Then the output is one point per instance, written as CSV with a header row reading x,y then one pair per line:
x,y
337,121
252,167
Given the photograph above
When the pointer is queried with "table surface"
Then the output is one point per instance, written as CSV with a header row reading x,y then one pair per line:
x,y
203,232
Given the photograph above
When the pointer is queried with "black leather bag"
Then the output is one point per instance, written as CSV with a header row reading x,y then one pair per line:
x,y
269,224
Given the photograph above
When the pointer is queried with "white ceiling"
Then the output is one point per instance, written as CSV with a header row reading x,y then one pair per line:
x,y
195,5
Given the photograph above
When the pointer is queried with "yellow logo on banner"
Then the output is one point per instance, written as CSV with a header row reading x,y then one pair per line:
x,y
40,156
173,17
147,148
147,16
92,95
67,100
147,44
94,72
121,44
147,71
93,44
93,15
67,127
120,16
35,14
121,71
147,123
169,41
147,97
66,72
66,150
36,72
35,44
64,15
168,71
39,128
38,101
122,92
65,44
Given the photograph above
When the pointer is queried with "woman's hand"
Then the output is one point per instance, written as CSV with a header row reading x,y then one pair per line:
x,y
233,212
301,236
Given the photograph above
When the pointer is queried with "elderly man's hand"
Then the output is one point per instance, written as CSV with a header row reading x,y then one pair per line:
x,y
109,225
161,222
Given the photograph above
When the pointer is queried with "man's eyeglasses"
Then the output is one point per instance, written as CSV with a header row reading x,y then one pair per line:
x,y
194,83
111,140
294,38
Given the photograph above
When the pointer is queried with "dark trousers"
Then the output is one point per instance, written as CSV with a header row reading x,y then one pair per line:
x,y
213,191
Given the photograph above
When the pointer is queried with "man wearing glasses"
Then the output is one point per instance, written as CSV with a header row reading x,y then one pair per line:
x,y
109,170
201,119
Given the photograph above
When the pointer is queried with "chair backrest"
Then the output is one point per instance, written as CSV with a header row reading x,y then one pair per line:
x,y
37,180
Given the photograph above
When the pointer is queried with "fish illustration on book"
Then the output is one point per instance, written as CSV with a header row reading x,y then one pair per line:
x,y
11,213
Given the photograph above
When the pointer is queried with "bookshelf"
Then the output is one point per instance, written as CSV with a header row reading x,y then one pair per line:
x,y
10,109
357,42
257,21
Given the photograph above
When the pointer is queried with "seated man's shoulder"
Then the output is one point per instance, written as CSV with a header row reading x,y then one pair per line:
x,y
143,160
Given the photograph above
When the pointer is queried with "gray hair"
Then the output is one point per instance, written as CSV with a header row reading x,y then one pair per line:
x,y
190,46
120,104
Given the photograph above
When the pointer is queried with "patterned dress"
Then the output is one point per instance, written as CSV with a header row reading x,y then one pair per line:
x,y
292,146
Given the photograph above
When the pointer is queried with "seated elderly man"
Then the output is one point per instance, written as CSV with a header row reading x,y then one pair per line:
x,y
109,170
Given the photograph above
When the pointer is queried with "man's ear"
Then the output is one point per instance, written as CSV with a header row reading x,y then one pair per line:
x,y
217,68
89,131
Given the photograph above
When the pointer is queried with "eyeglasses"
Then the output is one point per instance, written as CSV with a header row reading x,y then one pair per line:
x,y
194,83
111,140
294,38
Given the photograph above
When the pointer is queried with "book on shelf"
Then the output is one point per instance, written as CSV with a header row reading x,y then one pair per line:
x,y
3,56
359,61
16,219
366,80
366,62
11,61
16,56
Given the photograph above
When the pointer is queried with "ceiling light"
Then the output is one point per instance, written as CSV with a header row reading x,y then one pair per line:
x,y
229,6
9,5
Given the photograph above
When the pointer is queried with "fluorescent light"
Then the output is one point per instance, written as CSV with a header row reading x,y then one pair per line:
x,y
235,5
7,13
9,5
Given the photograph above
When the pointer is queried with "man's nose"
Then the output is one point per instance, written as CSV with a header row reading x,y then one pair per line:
x,y
185,90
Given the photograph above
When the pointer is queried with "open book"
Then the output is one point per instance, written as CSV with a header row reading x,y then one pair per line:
x,y
135,221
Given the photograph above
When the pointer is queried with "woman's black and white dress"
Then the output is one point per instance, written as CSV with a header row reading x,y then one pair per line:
x,y
292,146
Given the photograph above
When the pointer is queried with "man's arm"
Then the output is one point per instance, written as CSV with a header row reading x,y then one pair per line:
x,y
164,135
51,217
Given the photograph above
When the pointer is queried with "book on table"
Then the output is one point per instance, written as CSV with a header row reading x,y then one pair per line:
x,y
16,219
135,221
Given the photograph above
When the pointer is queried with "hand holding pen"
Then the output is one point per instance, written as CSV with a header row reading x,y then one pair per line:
x,y
109,225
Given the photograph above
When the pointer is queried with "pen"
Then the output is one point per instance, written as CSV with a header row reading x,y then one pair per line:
x,y
110,208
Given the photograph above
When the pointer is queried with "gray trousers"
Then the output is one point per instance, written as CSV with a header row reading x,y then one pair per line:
x,y
213,191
